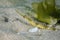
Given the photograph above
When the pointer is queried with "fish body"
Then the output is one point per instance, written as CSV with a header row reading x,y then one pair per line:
x,y
46,12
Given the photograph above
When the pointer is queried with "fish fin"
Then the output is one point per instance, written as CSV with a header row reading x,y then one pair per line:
x,y
35,6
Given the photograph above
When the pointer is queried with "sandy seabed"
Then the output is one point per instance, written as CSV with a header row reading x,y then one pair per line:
x,y
10,26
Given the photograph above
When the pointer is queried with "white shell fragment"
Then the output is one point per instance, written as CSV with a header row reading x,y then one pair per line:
x,y
33,29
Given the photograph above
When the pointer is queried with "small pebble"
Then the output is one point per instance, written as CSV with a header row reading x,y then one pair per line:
x,y
6,19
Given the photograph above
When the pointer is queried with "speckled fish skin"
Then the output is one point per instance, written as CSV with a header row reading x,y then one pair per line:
x,y
44,11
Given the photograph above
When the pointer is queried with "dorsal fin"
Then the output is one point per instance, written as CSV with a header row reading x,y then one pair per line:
x,y
35,6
